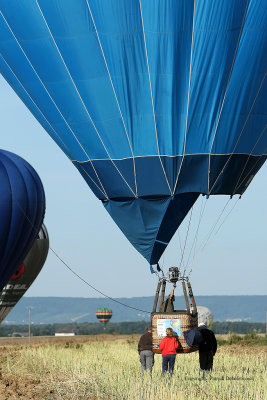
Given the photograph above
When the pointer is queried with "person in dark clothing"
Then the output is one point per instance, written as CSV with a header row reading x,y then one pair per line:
x,y
146,354
167,305
207,348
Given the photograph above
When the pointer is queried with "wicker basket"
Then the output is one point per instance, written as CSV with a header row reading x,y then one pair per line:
x,y
182,319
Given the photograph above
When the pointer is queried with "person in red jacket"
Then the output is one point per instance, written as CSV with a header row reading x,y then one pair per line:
x,y
168,347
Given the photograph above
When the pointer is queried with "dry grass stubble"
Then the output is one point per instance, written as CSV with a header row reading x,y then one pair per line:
x,y
111,370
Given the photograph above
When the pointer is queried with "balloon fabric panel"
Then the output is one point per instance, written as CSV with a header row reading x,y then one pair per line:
x,y
22,208
103,315
24,276
153,101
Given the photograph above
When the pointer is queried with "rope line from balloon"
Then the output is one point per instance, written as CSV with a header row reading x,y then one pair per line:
x,y
247,175
76,274
194,243
227,215
224,97
53,101
180,243
214,226
250,171
262,132
34,103
188,98
152,100
203,212
209,235
81,99
56,134
241,133
117,101
152,96
188,228
49,95
46,120
94,288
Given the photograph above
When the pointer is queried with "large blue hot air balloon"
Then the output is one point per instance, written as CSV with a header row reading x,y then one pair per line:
x,y
155,102
22,207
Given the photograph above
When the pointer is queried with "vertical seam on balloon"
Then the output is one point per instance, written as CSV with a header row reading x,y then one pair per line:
x,y
242,130
186,237
11,211
51,98
14,202
261,134
227,85
250,171
156,236
32,219
188,98
195,240
11,70
80,97
47,119
125,129
152,101
53,101
237,185
259,159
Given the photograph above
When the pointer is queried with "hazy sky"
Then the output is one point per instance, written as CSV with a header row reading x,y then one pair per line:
x,y
83,234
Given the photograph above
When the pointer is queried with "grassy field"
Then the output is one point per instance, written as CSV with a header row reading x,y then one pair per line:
x,y
109,368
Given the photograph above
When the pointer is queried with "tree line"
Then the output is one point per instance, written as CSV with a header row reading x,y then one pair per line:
x,y
123,328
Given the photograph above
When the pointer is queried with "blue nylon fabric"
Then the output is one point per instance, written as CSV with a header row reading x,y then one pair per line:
x,y
149,224
139,220
146,97
22,207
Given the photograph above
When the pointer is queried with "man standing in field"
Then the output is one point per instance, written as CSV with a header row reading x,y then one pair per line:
x,y
207,348
146,354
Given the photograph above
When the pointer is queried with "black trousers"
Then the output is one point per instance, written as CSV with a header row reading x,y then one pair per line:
x,y
168,363
206,360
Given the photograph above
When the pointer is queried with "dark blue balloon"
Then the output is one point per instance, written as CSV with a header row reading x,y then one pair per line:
x,y
25,275
154,101
22,208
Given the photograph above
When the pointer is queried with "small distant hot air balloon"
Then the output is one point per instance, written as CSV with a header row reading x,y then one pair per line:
x,y
22,208
205,316
103,315
25,275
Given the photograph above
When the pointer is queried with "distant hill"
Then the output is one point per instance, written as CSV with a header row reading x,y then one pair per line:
x,y
48,310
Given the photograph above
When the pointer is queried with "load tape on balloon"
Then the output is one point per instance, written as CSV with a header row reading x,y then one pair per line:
x,y
154,102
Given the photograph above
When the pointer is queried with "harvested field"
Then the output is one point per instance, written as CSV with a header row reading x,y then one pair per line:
x,y
107,367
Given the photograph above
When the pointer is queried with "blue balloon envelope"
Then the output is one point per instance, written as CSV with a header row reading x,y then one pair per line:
x,y
22,208
155,102
25,274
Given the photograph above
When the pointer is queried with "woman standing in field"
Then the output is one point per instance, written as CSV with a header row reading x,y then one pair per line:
x,y
168,347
